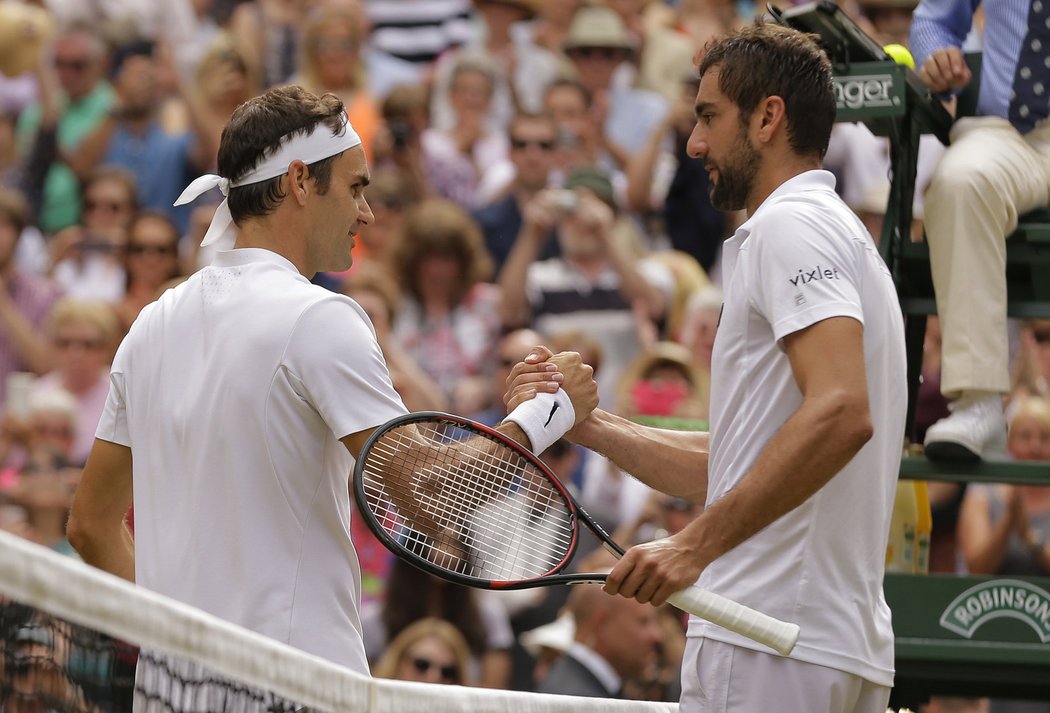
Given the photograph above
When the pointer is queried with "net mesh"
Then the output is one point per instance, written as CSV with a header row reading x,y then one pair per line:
x,y
76,639
466,502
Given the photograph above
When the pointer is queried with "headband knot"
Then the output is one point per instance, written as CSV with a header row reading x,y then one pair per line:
x,y
309,148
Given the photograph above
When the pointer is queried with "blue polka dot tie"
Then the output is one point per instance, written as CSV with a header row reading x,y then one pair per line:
x,y
1030,98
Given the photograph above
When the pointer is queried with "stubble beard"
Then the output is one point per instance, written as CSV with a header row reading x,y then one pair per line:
x,y
736,179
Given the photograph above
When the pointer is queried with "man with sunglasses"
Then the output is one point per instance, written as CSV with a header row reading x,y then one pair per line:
x,y
532,144
81,102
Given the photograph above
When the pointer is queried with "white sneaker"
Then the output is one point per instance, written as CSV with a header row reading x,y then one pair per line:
x,y
975,427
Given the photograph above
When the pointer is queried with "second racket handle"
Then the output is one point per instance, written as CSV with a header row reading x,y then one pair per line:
x,y
777,635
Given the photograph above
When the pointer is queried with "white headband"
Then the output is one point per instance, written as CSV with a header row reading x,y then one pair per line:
x,y
308,148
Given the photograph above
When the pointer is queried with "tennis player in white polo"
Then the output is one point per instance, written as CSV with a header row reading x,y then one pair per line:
x,y
240,398
808,401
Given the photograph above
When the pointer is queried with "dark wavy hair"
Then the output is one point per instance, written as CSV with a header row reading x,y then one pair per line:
x,y
766,60
257,127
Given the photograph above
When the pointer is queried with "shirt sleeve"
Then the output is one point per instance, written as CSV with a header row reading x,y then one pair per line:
x,y
940,23
334,355
802,273
113,423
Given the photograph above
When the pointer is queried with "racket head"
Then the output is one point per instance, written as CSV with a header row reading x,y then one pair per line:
x,y
502,521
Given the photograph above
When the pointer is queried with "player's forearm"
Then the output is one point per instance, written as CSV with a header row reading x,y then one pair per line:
x,y
109,547
673,462
809,450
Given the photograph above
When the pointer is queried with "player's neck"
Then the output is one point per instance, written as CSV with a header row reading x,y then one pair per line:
x,y
278,233
775,171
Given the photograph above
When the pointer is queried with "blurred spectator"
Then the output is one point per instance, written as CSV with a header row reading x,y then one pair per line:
x,y
399,140
151,260
10,166
222,82
521,69
532,144
388,198
664,383
599,45
458,157
546,644
79,58
86,259
412,594
330,61
131,136
269,31
174,23
579,141
375,290
1005,529
547,32
25,300
995,170
43,485
665,182
700,324
84,336
662,51
428,651
615,639
594,285
448,320
418,31
703,20
1032,373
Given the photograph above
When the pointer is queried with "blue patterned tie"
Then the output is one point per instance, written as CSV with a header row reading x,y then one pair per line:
x,y
1030,98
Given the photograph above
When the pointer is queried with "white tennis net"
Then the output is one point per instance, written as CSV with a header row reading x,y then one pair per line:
x,y
73,637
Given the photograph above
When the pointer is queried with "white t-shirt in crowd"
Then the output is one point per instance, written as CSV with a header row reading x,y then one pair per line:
x,y
804,257
232,392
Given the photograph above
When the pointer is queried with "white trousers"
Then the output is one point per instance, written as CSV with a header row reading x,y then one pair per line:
x,y
988,177
722,678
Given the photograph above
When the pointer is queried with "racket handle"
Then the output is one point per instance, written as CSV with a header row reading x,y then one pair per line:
x,y
777,635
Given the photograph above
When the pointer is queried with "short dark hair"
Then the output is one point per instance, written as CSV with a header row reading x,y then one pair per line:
x,y
257,127
765,60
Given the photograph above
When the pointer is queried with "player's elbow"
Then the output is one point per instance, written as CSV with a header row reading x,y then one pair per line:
x,y
857,428
85,535
850,419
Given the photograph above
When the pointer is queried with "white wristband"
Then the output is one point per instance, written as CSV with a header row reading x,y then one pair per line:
x,y
545,418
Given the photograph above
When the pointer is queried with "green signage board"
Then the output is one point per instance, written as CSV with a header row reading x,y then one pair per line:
x,y
869,90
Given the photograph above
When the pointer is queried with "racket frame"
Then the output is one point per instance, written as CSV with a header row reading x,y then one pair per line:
x,y
552,577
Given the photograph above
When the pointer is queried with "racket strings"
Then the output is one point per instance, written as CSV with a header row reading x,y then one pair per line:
x,y
467,502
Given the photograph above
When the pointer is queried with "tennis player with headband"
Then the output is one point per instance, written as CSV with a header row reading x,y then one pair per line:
x,y
239,399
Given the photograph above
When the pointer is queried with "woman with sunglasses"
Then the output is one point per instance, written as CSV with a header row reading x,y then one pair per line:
x,y
151,261
429,651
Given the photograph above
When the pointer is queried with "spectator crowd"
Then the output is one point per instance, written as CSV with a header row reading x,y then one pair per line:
x,y
530,184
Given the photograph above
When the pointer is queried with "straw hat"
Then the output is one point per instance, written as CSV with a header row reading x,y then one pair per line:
x,y
597,26
23,31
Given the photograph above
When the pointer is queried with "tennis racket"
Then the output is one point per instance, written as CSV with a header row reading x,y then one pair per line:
x,y
467,504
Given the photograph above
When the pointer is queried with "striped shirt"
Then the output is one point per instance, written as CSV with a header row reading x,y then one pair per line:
x,y
941,23
418,31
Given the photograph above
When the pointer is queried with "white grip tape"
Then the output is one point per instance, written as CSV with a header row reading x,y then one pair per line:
x,y
777,635
545,418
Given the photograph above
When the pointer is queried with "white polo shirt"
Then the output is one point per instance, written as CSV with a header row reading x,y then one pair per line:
x,y
801,258
232,392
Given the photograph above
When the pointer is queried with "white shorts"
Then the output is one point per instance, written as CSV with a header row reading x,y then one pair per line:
x,y
722,678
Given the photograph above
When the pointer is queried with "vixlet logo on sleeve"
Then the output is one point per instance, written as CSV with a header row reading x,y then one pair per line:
x,y
804,276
